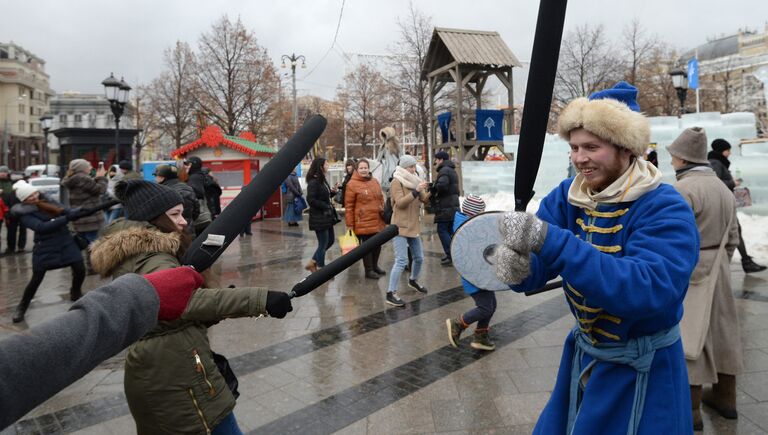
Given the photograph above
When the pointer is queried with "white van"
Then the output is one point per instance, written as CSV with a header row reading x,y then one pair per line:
x,y
53,170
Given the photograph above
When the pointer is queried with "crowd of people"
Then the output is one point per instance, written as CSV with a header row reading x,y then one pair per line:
x,y
645,269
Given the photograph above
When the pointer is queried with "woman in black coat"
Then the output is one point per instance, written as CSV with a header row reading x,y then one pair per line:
x,y
322,215
54,245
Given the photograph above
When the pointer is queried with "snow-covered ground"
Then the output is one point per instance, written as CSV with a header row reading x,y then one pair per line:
x,y
754,228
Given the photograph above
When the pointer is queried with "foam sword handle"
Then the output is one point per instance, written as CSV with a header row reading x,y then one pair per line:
x,y
320,277
209,245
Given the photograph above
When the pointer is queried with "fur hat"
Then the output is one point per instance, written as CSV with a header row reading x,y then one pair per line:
x,y
720,145
387,133
407,161
80,165
144,200
472,205
609,115
690,146
23,190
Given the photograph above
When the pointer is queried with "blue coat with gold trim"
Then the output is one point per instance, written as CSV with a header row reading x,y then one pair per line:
x,y
625,269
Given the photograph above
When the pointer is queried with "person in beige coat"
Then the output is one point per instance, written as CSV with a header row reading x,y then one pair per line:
x,y
710,324
407,193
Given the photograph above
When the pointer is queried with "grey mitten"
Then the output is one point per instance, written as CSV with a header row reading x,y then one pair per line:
x,y
512,267
522,232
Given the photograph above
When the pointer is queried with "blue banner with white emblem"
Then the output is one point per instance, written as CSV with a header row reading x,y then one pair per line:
x,y
693,74
489,123
444,121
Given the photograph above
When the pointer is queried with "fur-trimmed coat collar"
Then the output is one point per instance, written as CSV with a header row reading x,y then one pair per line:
x,y
125,239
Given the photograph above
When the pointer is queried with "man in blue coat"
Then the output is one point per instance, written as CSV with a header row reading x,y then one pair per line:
x,y
625,245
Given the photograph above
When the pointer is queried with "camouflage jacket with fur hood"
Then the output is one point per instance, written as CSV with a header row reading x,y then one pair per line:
x,y
171,381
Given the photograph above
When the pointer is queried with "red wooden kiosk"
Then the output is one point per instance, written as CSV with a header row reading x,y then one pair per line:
x,y
234,161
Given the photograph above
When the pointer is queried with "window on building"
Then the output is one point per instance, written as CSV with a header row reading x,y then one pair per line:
x,y
110,119
22,125
31,110
22,109
32,127
63,118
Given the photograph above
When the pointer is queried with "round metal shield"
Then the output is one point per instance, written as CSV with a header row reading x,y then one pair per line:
x,y
473,251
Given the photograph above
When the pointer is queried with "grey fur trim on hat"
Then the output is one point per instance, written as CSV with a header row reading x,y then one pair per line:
x,y
407,161
144,200
609,120
690,146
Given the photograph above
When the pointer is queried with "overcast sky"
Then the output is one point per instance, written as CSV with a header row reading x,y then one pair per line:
x,y
83,41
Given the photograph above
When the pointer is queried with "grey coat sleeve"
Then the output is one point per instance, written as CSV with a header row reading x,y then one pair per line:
x,y
40,362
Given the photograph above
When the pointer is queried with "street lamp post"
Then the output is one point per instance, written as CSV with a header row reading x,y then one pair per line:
x,y
293,59
45,121
680,83
116,92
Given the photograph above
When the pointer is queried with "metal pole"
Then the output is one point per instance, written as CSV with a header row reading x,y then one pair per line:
x,y
295,107
117,139
45,151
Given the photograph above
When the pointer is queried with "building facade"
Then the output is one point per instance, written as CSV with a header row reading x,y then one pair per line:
x,y
71,109
24,97
733,75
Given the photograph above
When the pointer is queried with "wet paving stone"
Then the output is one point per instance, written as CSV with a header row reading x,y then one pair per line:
x,y
343,362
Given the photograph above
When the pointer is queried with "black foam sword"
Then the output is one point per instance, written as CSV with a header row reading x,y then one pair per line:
x,y
538,100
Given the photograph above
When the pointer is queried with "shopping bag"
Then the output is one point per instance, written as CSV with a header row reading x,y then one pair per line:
x,y
299,205
348,241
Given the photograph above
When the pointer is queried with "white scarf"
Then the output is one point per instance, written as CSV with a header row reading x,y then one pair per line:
x,y
408,180
639,179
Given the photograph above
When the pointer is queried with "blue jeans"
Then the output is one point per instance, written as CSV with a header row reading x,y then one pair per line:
x,y
445,232
485,306
401,245
324,242
228,426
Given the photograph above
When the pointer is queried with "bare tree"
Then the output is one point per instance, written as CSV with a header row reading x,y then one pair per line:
x,y
639,47
171,104
230,70
587,63
364,94
262,98
409,54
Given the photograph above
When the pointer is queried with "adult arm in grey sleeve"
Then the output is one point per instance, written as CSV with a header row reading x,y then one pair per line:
x,y
40,362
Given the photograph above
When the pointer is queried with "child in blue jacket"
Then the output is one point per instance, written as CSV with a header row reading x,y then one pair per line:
x,y
485,301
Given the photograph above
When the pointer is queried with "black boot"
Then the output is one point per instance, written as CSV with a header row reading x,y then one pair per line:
x,y
21,309
367,263
750,266
376,267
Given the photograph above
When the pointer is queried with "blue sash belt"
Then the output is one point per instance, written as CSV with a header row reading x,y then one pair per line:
x,y
636,352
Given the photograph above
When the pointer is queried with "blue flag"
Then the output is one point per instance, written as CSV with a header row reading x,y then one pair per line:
x,y
444,120
489,123
693,74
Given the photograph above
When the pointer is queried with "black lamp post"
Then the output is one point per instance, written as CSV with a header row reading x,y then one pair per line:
x,y
116,92
680,83
45,122
293,59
